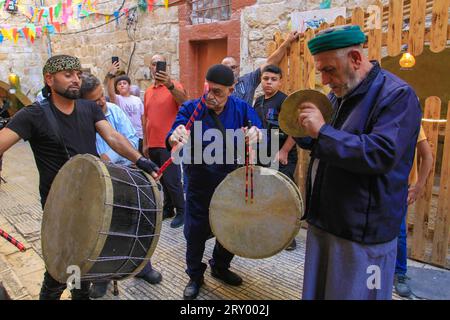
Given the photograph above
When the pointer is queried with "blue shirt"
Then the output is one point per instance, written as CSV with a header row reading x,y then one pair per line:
x,y
235,115
122,124
246,86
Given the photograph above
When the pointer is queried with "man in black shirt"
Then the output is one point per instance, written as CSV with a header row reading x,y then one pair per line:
x,y
268,107
58,128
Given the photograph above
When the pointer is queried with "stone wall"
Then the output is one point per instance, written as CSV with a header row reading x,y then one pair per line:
x,y
23,58
156,32
260,21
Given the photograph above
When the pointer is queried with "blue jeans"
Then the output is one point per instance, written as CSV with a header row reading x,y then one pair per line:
x,y
401,263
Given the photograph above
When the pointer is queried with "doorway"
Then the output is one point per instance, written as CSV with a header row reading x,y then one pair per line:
x,y
206,53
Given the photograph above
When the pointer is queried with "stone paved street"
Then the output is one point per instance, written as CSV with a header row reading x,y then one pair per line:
x,y
279,277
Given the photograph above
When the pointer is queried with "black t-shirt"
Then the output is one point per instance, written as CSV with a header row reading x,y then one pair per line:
x,y
77,130
268,111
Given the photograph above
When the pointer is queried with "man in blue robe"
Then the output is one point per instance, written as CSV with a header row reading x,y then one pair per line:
x,y
220,111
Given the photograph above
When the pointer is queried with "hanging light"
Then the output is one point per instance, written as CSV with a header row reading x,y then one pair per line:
x,y
13,79
407,61
14,82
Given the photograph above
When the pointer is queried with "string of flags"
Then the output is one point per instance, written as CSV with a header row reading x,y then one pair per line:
x,y
51,19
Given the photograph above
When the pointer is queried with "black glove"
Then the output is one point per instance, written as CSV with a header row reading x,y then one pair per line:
x,y
147,165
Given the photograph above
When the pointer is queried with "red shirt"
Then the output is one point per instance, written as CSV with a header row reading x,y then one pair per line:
x,y
160,110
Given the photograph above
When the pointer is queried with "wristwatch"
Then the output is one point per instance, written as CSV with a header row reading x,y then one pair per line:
x,y
171,87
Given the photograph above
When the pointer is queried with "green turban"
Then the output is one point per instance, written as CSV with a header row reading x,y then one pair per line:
x,y
336,38
61,63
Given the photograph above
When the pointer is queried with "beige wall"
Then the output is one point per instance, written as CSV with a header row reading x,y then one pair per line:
x,y
23,58
157,32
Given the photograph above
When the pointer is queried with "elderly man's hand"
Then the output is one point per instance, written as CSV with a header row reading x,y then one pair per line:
x,y
310,118
179,136
164,78
254,135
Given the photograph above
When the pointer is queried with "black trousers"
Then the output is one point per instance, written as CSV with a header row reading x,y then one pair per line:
x,y
171,181
52,289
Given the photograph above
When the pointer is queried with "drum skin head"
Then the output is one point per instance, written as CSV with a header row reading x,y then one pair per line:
x,y
71,222
289,110
260,229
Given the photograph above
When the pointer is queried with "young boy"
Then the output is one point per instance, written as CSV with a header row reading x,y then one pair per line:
x,y
119,91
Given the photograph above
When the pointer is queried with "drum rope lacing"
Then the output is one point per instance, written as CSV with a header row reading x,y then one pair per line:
x,y
134,176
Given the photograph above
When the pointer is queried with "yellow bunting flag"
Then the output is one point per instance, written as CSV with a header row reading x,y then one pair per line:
x,y
107,18
36,11
166,4
7,33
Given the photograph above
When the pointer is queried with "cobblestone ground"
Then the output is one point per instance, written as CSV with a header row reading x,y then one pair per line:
x,y
277,278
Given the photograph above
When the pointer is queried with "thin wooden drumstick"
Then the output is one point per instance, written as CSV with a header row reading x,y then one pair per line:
x,y
191,120
246,169
251,174
13,241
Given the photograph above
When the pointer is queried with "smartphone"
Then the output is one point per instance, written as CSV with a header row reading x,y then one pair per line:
x,y
160,66
115,59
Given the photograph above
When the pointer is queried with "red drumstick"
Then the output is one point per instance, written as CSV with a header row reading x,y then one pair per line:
x,y
8,237
192,118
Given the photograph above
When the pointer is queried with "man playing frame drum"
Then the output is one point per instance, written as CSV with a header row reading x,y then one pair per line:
x,y
220,111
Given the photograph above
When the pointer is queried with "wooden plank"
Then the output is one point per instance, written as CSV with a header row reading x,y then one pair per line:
x,y
323,26
294,67
442,223
284,66
439,25
271,47
374,44
374,38
302,63
417,27
339,21
308,69
358,17
395,26
423,204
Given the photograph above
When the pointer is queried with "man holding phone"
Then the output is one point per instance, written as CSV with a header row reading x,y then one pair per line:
x,y
161,103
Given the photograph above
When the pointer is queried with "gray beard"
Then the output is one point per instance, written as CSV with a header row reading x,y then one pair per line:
x,y
352,84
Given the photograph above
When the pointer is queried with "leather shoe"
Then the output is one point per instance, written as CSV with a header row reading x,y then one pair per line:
x,y
168,214
227,276
152,277
98,289
192,289
178,221
292,246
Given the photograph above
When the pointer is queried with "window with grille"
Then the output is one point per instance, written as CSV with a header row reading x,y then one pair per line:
x,y
208,11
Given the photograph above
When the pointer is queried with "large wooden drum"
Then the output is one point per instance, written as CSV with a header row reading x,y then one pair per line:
x,y
260,229
103,218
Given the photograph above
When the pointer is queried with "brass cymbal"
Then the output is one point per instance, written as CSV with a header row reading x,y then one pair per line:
x,y
289,110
